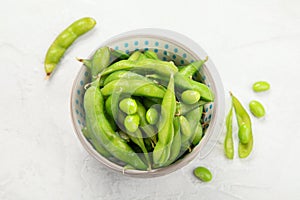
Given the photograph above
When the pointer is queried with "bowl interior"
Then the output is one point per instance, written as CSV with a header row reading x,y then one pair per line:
x,y
166,49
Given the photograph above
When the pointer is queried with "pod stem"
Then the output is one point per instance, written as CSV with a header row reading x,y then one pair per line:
x,y
47,77
79,59
205,59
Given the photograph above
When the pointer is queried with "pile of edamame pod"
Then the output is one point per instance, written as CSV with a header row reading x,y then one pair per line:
x,y
143,112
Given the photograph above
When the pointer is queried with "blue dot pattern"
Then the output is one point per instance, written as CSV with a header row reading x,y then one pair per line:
x,y
166,51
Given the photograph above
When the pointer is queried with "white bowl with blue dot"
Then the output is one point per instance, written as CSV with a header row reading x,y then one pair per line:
x,y
168,45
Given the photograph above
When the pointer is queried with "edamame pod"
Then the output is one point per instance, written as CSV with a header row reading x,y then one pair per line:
x,y
228,142
119,54
162,149
133,87
135,56
85,133
64,40
183,109
193,118
176,144
137,138
186,133
144,66
108,106
242,116
100,127
128,75
100,61
151,55
86,62
198,134
191,69
95,143
185,83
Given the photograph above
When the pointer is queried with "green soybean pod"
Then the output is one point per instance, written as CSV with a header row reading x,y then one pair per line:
x,y
86,62
86,133
108,106
100,127
242,117
152,116
128,106
257,109
228,142
162,150
203,174
190,96
135,56
261,86
186,132
119,54
198,134
100,61
64,40
192,68
96,144
131,122
151,55
176,144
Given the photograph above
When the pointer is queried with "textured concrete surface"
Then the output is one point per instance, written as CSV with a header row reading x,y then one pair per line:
x,y
40,156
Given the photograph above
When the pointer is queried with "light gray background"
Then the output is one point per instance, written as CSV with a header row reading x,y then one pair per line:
x,y
40,156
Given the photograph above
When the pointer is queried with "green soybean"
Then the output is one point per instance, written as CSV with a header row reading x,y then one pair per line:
x,y
131,122
203,174
257,109
152,116
128,105
190,96
145,127
244,133
64,40
261,86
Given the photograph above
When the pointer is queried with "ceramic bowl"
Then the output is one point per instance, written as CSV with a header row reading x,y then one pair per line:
x,y
168,45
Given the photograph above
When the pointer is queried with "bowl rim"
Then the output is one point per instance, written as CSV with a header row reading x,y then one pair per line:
x,y
217,119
